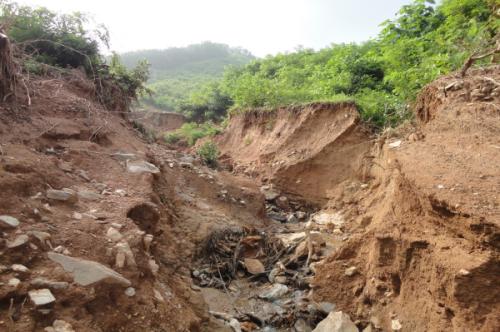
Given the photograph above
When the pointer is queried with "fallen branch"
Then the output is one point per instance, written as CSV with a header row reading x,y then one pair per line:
x,y
473,58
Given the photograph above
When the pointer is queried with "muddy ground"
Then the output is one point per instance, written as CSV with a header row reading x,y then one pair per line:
x,y
310,213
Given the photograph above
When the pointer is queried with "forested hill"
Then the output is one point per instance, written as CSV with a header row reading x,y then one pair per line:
x,y
198,59
177,72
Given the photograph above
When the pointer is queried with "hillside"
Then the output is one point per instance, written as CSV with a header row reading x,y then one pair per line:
x,y
177,72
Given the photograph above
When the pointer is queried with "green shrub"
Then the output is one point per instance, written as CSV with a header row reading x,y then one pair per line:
x,y
209,153
172,138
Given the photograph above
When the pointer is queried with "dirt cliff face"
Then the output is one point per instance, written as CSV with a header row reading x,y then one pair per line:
x,y
420,203
298,148
426,228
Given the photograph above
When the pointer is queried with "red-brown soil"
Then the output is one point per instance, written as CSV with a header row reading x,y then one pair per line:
x,y
421,216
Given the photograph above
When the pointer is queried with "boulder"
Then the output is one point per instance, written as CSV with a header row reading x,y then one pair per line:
x,y
64,195
87,272
8,222
142,166
336,322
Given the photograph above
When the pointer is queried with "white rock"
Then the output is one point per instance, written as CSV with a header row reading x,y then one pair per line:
x,y
396,325
8,222
123,248
59,326
19,268
142,166
153,267
87,272
395,144
14,282
41,296
19,241
276,292
113,234
116,225
235,325
328,218
336,322
351,271
130,291
77,216
121,192
464,272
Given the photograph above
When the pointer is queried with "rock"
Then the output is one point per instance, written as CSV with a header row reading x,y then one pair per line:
x,y
14,282
396,325
130,291
42,282
87,195
269,193
369,328
41,296
123,250
235,325
19,241
276,292
59,326
351,271
185,164
43,237
113,234
19,268
395,144
326,307
153,267
123,156
254,266
292,219
142,166
81,173
328,218
282,202
301,326
121,192
116,225
464,272
147,240
8,222
277,216
77,216
336,322
301,215
65,195
87,272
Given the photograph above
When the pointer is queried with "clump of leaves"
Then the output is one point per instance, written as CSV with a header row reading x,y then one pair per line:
x,y
209,153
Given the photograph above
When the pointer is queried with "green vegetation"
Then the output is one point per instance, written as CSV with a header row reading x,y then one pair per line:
x,y
209,153
382,75
57,42
182,79
191,132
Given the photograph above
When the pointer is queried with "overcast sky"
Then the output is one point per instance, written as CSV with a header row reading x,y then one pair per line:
x,y
261,26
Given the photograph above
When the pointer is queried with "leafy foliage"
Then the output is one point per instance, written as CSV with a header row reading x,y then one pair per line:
x,y
191,132
382,75
62,40
209,153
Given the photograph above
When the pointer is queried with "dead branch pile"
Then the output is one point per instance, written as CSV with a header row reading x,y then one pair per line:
x,y
8,68
222,251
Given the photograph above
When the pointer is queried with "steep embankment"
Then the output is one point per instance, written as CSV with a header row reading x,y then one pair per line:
x,y
304,150
87,238
421,223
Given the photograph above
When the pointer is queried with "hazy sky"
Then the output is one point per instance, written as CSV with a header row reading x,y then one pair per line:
x,y
261,26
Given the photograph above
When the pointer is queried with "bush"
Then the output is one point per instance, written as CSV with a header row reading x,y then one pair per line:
x,y
191,132
172,138
209,153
